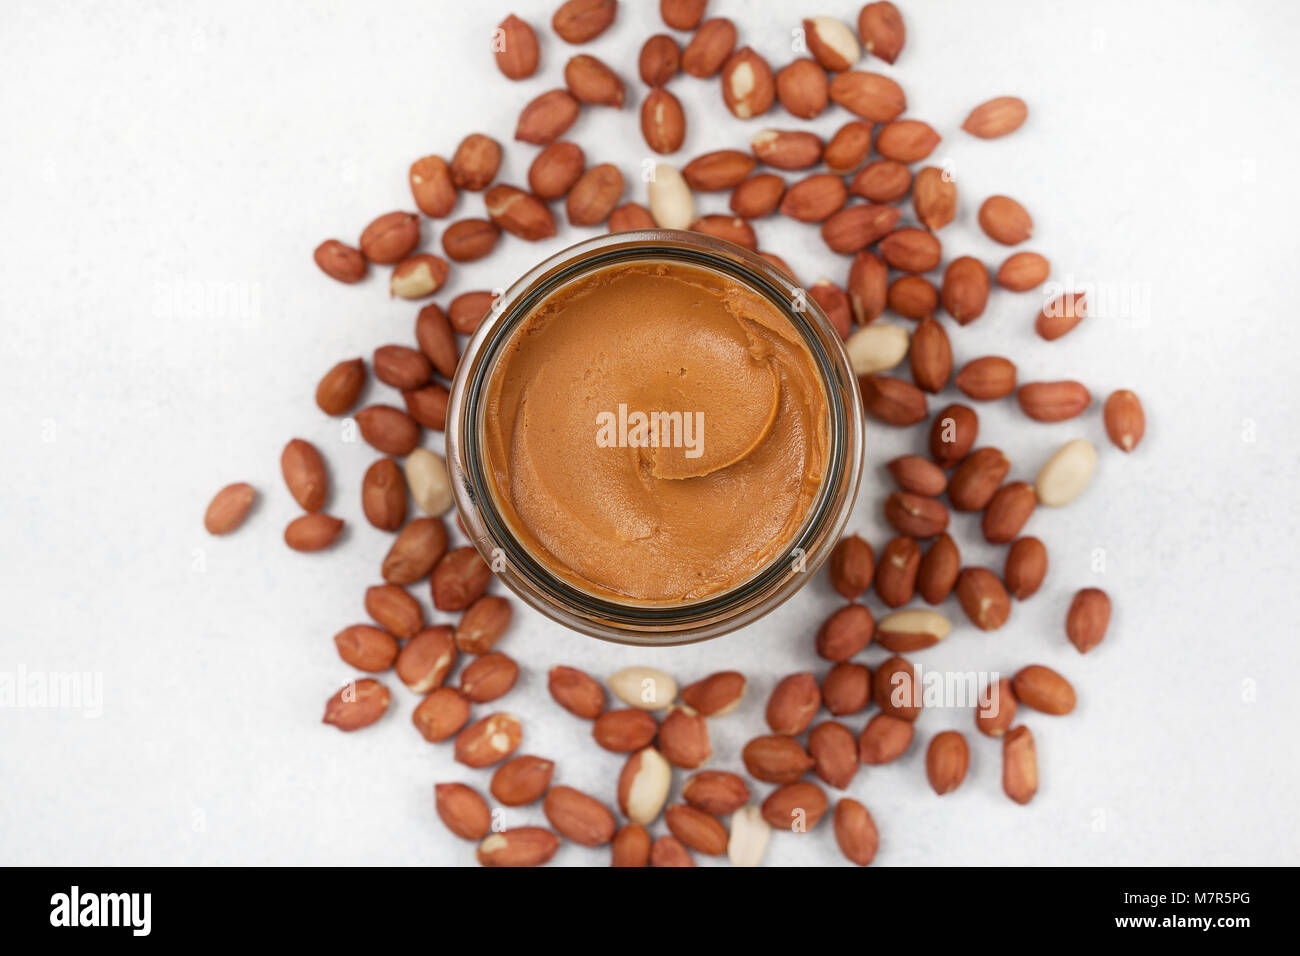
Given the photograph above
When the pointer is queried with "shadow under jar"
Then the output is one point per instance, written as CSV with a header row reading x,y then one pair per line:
x,y
655,437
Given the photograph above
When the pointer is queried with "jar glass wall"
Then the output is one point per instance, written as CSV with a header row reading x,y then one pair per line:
x,y
491,522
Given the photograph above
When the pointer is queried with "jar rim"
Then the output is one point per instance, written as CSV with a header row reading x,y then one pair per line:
x,y
659,624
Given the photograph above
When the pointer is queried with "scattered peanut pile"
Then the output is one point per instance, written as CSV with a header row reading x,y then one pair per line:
x,y
972,478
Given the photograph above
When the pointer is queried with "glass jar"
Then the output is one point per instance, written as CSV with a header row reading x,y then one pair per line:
x,y
632,623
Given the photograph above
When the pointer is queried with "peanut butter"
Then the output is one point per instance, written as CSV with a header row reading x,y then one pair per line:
x,y
656,433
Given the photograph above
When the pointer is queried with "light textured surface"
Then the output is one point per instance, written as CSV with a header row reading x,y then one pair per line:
x,y
168,168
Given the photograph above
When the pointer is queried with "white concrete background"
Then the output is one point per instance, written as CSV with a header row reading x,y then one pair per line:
x,y
155,149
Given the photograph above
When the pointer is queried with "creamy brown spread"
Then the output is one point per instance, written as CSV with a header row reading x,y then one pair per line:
x,y
604,484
